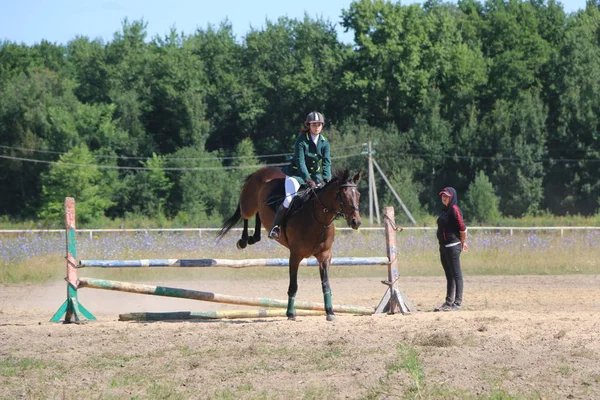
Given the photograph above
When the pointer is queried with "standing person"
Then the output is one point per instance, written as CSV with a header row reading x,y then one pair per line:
x,y
452,237
310,165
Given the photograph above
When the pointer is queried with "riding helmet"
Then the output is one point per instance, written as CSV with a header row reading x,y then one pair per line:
x,y
314,116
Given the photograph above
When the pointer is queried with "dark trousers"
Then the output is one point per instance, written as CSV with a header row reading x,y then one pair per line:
x,y
450,257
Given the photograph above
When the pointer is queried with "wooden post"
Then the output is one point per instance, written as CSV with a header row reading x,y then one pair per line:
x,y
73,311
393,300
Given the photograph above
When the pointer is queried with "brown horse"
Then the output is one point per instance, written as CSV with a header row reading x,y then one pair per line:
x,y
309,230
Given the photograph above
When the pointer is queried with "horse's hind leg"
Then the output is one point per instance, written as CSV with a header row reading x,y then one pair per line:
x,y
243,242
256,236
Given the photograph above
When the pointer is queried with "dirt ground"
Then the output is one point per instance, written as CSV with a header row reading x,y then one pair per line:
x,y
519,337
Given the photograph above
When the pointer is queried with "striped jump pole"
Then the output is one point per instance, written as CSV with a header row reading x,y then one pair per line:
x,y
207,315
212,297
210,262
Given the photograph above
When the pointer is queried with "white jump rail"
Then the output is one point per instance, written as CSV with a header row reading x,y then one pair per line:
x,y
200,231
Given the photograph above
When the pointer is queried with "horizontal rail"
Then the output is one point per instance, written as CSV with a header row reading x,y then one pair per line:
x,y
212,297
211,262
409,228
204,315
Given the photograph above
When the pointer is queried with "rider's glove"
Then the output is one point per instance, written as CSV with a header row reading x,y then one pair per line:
x,y
311,184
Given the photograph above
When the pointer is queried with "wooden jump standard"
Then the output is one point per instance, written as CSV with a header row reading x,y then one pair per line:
x,y
394,300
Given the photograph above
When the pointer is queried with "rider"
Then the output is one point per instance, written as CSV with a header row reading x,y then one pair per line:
x,y
310,165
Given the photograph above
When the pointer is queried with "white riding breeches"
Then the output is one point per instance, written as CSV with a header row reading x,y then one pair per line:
x,y
291,187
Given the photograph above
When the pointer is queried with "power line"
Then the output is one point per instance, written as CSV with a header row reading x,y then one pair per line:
x,y
417,155
157,169
166,157
494,158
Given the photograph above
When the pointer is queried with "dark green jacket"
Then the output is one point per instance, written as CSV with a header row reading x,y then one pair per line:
x,y
310,161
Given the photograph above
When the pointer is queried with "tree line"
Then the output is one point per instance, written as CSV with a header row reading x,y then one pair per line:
x,y
499,99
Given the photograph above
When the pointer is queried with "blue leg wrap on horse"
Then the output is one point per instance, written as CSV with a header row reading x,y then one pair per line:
x,y
290,307
327,299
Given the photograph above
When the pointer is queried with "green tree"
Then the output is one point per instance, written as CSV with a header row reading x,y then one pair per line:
x,y
232,101
481,202
75,175
573,184
146,192
386,76
293,66
177,108
431,137
198,185
128,63
37,112
516,135
512,40
243,163
90,71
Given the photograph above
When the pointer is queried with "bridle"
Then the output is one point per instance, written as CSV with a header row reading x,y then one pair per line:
x,y
337,214
342,204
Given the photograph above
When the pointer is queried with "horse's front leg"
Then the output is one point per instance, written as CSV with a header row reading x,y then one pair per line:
x,y
256,236
293,287
324,271
243,242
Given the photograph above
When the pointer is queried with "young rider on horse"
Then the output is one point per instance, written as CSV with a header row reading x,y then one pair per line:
x,y
310,165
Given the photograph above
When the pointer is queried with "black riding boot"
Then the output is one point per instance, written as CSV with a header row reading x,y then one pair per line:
x,y
279,216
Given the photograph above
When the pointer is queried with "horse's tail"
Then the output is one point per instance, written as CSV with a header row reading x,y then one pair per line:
x,y
230,223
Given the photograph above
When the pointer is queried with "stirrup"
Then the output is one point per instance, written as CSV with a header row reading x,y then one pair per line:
x,y
274,234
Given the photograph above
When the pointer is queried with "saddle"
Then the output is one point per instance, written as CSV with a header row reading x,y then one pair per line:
x,y
277,196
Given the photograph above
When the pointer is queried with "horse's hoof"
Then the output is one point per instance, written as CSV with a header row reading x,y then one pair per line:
x,y
291,317
251,241
330,317
241,244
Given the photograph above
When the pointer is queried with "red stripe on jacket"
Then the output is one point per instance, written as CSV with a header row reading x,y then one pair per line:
x,y
461,224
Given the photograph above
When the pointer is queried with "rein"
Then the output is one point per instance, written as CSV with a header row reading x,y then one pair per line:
x,y
336,214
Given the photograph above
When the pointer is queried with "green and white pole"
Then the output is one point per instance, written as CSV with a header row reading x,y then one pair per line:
x,y
71,309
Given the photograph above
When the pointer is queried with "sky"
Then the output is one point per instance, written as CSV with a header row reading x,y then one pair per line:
x,y
59,21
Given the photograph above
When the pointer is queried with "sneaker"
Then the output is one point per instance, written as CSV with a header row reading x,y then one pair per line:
x,y
456,307
444,307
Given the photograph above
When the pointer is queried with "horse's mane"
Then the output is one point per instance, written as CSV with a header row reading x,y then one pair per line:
x,y
303,196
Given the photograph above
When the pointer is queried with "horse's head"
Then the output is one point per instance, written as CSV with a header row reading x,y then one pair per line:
x,y
349,199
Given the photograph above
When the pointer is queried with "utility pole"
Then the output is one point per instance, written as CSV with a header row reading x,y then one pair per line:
x,y
371,179
395,193
373,185
373,201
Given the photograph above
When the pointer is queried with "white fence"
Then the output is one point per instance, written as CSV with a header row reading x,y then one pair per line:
x,y
200,231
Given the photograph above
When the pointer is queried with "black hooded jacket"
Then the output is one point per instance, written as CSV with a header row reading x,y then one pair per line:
x,y
450,222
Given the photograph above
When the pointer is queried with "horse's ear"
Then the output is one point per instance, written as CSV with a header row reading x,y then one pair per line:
x,y
357,177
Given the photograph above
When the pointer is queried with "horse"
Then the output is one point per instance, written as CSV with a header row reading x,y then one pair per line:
x,y
308,229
